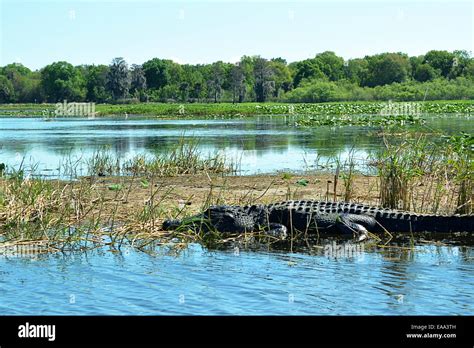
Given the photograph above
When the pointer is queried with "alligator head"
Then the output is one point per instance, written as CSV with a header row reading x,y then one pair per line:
x,y
221,218
233,219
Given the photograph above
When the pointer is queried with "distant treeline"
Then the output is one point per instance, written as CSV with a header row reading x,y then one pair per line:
x,y
326,77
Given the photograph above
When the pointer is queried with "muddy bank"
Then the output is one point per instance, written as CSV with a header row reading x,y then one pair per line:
x,y
191,193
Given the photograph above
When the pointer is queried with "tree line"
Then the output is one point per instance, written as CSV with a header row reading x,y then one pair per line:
x,y
322,78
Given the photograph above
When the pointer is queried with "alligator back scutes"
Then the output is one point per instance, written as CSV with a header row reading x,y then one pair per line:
x,y
352,208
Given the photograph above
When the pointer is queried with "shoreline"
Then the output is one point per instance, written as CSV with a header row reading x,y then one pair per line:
x,y
231,189
65,215
186,110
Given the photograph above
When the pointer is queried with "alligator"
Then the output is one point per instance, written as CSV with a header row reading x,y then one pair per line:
x,y
319,217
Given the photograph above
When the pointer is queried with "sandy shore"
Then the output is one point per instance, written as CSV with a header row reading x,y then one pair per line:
x,y
192,192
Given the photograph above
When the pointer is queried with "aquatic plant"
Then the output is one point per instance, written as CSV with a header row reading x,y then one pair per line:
x,y
443,170
239,110
185,157
359,120
103,162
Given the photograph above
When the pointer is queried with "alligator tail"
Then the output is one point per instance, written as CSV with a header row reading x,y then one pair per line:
x,y
406,222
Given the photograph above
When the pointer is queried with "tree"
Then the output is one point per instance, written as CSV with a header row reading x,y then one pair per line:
x,y
469,71
118,78
306,70
31,90
442,61
330,65
247,64
264,82
461,62
138,82
157,72
96,83
387,68
62,81
216,80
282,75
7,91
237,83
194,87
424,72
356,70
20,78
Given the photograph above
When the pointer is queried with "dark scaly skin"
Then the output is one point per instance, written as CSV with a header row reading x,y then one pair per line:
x,y
319,217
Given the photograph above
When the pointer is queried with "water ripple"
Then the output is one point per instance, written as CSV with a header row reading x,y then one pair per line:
x,y
431,281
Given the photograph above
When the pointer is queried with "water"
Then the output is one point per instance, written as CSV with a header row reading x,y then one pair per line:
x,y
428,280
259,144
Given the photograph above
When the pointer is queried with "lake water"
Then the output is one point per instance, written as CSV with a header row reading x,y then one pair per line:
x,y
429,280
260,144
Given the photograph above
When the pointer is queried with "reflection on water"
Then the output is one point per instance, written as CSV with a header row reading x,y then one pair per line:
x,y
260,144
428,280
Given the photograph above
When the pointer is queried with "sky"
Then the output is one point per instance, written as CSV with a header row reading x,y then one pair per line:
x,y
37,33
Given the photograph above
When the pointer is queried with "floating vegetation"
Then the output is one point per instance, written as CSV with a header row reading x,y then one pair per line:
x,y
227,110
239,110
359,120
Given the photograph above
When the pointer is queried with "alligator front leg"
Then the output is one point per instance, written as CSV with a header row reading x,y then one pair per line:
x,y
351,224
277,230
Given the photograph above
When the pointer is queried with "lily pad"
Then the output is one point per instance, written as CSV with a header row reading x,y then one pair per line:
x,y
115,187
302,182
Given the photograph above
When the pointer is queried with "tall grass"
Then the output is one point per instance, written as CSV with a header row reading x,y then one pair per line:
x,y
431,173
104,162
185,157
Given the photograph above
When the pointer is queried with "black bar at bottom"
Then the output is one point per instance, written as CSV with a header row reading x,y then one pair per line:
x,y
141,330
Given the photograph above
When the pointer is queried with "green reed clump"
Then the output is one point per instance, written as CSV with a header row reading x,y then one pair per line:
x,y
396,173
461,148
187,158
55,214
348,173
103,162
184,158
427,171
25,204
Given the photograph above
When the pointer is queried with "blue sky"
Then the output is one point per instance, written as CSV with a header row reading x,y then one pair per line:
x,y
37,33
